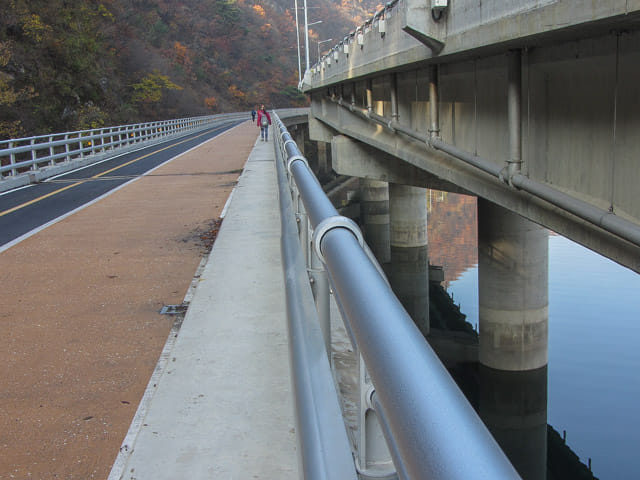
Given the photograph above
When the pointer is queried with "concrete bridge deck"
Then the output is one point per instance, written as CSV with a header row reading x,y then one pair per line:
x,y
83,332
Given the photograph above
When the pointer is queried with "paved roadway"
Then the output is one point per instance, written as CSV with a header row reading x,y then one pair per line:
x,y
25,209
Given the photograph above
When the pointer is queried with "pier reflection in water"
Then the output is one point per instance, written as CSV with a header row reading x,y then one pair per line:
x,y
590,391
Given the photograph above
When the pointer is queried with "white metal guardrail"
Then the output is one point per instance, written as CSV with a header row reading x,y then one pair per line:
x,y
430,429
24,160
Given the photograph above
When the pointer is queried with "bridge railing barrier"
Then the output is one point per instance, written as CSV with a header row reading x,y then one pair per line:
x,y
25,160
430,429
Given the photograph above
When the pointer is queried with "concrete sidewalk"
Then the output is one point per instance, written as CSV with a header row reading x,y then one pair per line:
x,y
222,408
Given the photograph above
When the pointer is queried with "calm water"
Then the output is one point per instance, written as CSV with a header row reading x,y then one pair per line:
x,y
594,350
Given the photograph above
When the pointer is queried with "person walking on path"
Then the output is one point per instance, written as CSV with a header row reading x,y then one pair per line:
x,y
253,115
264,120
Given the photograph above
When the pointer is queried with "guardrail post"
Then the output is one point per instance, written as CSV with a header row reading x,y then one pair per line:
x,y
12,159
34,156
51,151
66,148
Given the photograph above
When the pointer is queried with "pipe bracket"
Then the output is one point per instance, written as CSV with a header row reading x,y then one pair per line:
x,y
284,145
329,223
295,158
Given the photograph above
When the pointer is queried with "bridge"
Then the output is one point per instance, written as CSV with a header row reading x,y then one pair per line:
x,y
529,105
497,102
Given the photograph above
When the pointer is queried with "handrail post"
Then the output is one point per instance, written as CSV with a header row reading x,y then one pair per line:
x,y
303,227
320,289
373,456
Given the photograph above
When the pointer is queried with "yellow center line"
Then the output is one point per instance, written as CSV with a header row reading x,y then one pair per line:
x,y
60,190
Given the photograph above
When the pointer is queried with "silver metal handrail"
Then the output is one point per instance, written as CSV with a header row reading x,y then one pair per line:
x,y
24,155
430,428
324,449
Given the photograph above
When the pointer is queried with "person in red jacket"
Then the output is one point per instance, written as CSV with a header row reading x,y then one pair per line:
x,y
264,120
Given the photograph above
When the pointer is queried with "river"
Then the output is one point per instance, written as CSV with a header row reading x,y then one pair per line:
x,y
593,381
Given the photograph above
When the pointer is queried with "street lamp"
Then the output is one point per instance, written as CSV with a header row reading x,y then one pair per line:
x,y
306,34
323,41
298,44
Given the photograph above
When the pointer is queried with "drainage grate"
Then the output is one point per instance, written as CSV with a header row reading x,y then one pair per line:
x,y
174,309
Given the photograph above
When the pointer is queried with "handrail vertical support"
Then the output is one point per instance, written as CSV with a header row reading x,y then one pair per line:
x,y
320,288
374,459
303,227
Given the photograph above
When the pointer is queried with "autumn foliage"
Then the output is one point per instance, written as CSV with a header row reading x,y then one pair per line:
x,y
71,65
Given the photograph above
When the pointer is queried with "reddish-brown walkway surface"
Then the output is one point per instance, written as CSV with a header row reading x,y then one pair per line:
x,y
79,311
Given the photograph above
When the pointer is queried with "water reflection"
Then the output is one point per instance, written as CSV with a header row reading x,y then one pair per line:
x,y
589,392
513,405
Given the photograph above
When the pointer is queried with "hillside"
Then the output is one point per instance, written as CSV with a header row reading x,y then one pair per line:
x,y
68,65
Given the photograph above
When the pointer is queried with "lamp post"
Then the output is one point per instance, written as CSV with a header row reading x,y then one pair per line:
x,y
306,34
310,25
298,44
322,41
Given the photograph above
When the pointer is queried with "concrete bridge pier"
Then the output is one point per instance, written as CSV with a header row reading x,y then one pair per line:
x,y
324,159
513,289
323,137
409,268
374,215
299,138
513,298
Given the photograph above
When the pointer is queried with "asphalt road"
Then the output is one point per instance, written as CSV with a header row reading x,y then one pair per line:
x,y
26,209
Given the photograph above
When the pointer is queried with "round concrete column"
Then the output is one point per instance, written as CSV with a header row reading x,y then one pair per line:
x,y
299,138
324,159
409,268
374,214
513,289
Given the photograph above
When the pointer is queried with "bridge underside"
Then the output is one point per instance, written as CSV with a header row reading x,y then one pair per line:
x,y
569,127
